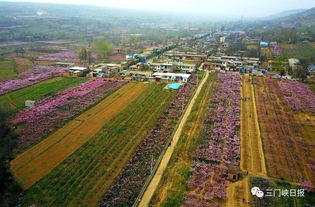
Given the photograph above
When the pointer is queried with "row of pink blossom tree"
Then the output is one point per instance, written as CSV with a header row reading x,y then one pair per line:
x,y
221,131
220,144
35,75
52,112
206,185
63,56
129,183
298,96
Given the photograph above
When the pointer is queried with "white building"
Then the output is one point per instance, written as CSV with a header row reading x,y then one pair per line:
x,y
293,62
171,76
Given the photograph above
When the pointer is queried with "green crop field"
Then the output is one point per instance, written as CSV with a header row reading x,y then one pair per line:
x,y
300,51
84,177
7,69
15,100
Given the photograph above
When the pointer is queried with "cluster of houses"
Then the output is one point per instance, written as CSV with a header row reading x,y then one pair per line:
x,y
178,63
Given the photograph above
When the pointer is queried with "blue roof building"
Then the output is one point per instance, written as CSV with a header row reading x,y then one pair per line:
x,y
264,44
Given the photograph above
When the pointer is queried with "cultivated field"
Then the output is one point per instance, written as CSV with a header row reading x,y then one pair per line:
x,y
16,100
7,69
287,134
266,52
172,186
300,50
35,163
105,147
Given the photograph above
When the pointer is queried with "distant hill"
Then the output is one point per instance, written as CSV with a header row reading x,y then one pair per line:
x,y
285,13
305,18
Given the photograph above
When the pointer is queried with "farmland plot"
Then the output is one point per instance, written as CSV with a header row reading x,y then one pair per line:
x,y
84,177
129,183
48,114
31,165
16,100
286,131
220,146
7,69
30,77
172,187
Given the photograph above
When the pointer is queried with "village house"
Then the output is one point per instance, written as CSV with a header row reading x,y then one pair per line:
x,y
77,71
175,55
176,77
137,75
161,67
105,69
187,68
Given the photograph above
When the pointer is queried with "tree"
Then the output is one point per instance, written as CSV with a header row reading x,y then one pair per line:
x,y
83,54
102,49
89,56
301,72
10,191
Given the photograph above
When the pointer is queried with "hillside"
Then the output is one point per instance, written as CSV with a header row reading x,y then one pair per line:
x,y
285,13
305,18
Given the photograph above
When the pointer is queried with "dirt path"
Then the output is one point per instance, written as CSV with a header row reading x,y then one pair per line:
x,y
158,175
238,191
38,161
252,155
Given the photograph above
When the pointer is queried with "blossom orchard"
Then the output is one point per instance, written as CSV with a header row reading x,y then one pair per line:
x,y
298,96
50,113
37,74
63,56
220,144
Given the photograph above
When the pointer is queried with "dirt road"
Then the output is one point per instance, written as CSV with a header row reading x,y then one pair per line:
x,y
238,191
158,175
252,155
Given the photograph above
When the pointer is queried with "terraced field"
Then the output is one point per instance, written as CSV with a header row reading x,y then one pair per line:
x,y
15,100
93,151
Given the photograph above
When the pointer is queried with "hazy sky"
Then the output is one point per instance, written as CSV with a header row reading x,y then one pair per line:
x,y
249,8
